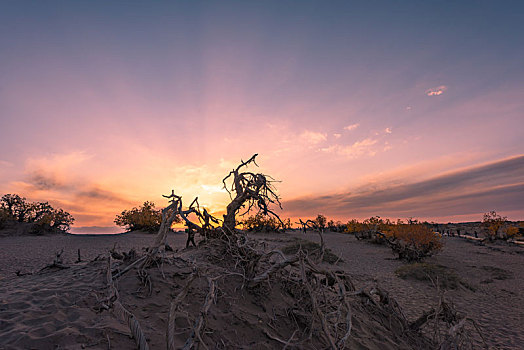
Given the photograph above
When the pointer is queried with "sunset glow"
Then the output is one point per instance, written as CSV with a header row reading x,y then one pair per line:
x,y
400,110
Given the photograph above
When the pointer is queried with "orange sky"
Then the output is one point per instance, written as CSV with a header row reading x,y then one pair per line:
x,y
359,111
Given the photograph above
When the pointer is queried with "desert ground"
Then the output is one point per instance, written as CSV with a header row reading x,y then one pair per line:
x,y
58,308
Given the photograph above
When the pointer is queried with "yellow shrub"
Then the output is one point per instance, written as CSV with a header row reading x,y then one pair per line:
x,y
413,241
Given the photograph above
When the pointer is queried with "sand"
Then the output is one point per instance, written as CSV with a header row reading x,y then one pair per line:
x,y
58,308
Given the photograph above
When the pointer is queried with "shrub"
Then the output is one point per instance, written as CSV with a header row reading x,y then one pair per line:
x,y
354,227
144,218
512,231
369,229
412,242
261,222
493,225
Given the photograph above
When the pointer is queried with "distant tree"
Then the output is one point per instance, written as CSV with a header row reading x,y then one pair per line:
x,y
287,224
144,218
17,207
494,225
353,226
39,210
53,220
3,217
321,221
265,223
336,226
43,216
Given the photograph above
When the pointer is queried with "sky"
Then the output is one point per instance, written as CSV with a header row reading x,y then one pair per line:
x,y
360,108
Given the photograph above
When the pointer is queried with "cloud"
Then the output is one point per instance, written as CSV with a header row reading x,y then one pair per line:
x,y
388,130
5,164
351,127
337,136
357,149
96,193
313,137
436,91
494,186
60,179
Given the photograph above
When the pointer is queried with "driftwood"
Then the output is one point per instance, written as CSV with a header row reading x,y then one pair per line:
x,y
58,263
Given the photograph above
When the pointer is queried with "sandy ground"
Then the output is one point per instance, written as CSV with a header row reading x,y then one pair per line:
x,y
36,309
497,305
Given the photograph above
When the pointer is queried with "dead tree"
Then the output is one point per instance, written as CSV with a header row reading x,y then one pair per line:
x,y
303,224
169,215
207,220
250,191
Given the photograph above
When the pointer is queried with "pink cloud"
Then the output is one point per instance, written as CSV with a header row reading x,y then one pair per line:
x,y
351,127
313,137
436,91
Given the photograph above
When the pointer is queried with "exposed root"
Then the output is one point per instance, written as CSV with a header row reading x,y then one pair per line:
x,y
173,309
200,321
122,313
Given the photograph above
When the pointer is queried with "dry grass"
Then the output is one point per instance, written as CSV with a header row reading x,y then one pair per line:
x,y
312,249
496,273
445,277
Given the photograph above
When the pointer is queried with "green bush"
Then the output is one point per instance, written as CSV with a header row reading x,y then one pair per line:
x,y
144,218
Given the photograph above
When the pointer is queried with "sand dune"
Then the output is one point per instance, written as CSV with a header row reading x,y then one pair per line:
x,y
58,308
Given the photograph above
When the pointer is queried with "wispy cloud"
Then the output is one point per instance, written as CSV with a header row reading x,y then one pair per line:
x,y
59,179
337,136
436,91
357,149
313,137
5,164
498,185
351,127
388,130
